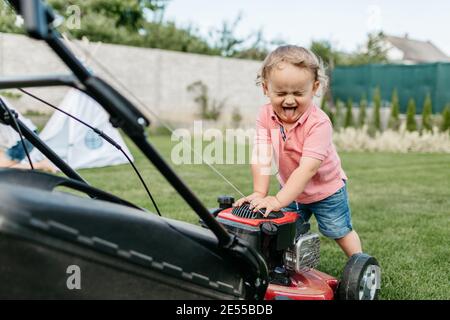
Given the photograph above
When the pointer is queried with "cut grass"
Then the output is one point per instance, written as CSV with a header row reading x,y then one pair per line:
x,y
400,208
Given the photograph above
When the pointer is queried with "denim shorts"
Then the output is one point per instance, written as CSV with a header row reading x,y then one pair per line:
x,y
17,153
332,214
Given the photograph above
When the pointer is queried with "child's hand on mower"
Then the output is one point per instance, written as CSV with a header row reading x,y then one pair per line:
x,y
269,203
253,197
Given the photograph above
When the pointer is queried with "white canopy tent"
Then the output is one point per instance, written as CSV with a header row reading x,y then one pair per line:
x,y
75,143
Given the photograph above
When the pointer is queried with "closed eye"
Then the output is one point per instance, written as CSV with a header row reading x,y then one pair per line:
x,y
297,94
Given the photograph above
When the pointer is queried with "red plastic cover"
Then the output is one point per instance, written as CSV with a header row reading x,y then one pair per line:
x,y
289,217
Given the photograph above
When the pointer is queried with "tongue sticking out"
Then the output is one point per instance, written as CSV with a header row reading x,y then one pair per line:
x,y
289,112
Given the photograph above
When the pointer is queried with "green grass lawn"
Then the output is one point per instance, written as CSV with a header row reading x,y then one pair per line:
x,y
400,208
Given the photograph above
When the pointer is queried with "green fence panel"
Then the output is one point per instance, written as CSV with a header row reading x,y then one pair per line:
x,y
411,81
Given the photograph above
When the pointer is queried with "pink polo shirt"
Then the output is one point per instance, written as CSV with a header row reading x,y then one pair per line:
x,y
311,136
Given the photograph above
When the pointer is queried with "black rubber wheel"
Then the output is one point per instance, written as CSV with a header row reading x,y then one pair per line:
x,y
361,279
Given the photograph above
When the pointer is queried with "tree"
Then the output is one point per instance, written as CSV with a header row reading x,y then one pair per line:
x,y
257,50
122,22
129,14
373,51
127,22
326,108
362,110
394,117
376,119
8,19
169,37
426,113
326,52
224,38
114,21
227,44
411,124
338,121
445,125
349,114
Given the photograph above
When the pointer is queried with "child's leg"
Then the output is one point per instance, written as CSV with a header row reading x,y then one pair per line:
x,y
43,165
334,219
14,155
350,243
5,161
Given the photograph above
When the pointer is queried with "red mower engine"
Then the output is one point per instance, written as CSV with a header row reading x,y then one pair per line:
x,y
282,238
292,254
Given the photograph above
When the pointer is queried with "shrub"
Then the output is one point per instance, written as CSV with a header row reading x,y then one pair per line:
x,y
394,119
10,94
208,110
326,108
445,125
376,120
338,117
362,111
349,114
236,118
411,124
426,113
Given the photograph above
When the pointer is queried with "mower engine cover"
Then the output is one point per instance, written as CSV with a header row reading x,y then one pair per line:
x,y
276,236
250,226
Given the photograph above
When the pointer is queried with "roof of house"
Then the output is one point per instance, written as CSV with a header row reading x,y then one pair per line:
x,y
418,51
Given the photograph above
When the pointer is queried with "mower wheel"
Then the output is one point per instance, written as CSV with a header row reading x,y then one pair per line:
x,y
361,279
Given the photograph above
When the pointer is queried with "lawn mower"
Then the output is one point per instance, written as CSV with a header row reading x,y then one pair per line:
x,y
118,250
292,252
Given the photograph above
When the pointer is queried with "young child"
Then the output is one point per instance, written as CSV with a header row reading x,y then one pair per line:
x,y
12,152
10,141
299,135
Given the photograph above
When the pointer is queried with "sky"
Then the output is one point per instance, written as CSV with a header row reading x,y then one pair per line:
x,y
343,22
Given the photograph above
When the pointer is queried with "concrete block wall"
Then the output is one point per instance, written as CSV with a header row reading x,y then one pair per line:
x,y
159,78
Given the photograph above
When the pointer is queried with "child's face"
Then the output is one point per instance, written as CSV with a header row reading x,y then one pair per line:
x,y
291,90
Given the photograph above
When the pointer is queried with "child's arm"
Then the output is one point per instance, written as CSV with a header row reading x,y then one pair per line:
x,y
292,189
261,166
261,183
261,180
297,181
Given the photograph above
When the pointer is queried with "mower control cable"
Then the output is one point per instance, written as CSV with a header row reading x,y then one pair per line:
x,y
101,134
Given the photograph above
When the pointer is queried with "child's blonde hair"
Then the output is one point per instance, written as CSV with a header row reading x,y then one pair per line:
x,y
298,56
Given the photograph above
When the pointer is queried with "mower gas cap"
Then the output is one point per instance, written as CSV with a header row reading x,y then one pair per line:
x,y
225,202
269,228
